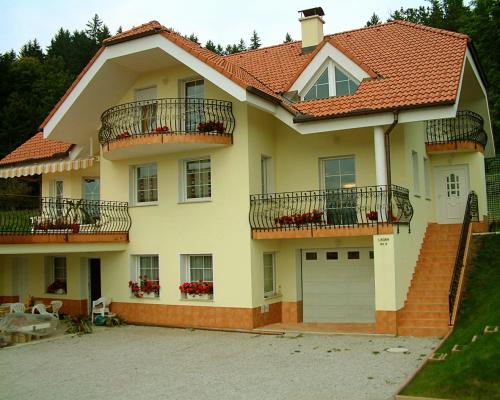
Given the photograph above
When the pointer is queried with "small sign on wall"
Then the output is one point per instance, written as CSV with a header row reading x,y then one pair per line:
x,y
383,241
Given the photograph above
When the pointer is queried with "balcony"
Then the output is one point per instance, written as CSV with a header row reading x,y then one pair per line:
x,y
30,219
165,125
362,211
464,133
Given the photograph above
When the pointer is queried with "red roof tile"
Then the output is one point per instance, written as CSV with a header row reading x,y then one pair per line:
x,y
36,148
410,66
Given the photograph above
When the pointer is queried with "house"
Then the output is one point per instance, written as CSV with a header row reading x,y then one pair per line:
x,y
316,181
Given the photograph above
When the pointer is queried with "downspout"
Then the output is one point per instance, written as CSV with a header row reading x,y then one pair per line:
x,y
387,141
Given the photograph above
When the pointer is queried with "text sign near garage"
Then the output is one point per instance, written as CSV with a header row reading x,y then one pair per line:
x,y
338,285
383,241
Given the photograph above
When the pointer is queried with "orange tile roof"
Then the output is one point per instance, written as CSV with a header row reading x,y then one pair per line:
x,y
410,65
36,148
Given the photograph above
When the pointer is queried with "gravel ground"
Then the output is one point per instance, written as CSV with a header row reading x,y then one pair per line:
x,y
160,363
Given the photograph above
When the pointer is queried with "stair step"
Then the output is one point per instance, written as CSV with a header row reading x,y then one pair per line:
x,y
424,315
422,332
429,307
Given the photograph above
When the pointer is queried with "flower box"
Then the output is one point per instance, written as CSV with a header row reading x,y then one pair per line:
x,y
313,217
145,287
211,127
205,296
197,290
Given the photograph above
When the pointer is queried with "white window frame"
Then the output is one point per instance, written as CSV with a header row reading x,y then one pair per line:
x,y
322,169
133,185
273,257
427,177
416,173
187,266
136,271
332,89
266,174
183,181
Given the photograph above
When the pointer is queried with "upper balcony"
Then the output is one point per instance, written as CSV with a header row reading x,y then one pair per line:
x,y
32,219
465,132
360,211
164,126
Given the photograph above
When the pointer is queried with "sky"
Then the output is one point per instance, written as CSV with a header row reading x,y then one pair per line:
x,y
222,21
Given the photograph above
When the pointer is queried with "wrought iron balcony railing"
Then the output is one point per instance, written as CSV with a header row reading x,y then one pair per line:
x,y
466,126
354,207
30,215
178,116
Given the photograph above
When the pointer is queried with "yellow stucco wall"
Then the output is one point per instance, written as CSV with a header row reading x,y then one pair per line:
x,y
73,184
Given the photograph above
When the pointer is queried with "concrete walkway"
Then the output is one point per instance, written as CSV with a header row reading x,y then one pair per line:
x,y
160,363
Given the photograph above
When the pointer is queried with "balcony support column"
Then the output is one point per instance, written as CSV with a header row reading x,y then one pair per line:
x,y
380,152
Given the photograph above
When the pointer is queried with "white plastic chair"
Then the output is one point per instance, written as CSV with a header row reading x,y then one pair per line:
x,y
101,307
41,309
17,308
56,306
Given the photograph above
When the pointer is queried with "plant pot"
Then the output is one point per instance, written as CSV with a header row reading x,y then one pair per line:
x,y
199,296
75,228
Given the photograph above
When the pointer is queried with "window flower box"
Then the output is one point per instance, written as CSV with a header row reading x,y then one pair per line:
x,y
145,286
313,217
197,290
211,127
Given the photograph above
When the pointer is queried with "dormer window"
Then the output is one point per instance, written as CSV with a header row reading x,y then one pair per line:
x,y
332,81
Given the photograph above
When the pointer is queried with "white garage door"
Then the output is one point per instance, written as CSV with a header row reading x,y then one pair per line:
x,y
338,285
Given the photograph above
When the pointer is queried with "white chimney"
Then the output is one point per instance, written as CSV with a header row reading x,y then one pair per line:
x,y
311,22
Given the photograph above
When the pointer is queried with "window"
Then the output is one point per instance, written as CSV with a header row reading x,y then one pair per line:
x,y
311,256
266,174
371,254
55,275
145,184
197,179
353,255
427,177
195,113
269,274
146,267
332,255
339,173
333,81
319,89
146,114
57,190
199,267
416,173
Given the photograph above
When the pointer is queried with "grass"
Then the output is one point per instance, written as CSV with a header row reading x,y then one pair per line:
x,y
17,221
473,373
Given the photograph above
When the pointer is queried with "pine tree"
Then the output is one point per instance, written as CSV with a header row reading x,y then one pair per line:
x,y
241,46
288,38
32,49
94,28
193,38
374,20
211,46
255,42
119,30
219,50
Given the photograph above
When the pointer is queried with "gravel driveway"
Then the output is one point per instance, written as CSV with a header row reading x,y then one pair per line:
x,y
160,363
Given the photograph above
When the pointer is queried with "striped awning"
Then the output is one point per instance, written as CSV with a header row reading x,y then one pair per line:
x,y
47,167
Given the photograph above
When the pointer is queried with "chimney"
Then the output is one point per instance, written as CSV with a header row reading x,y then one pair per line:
x,y
311,22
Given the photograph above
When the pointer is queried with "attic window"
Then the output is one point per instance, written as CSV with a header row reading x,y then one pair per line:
x,y
333,81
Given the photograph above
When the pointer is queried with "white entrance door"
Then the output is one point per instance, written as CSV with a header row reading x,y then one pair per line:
x,y
338,285
452,189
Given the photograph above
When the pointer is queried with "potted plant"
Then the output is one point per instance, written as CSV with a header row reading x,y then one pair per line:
x,y
372,215
312,217
161,129
123,135
211,127
144,286
197,290
57,287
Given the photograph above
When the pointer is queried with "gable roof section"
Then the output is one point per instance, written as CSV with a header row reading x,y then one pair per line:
x,y
37,148
409,65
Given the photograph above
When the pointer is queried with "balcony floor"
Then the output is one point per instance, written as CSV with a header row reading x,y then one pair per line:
x,y
461,146
42,238
298,233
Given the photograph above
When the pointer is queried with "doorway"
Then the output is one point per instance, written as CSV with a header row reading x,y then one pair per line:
x,y
452,189
94,279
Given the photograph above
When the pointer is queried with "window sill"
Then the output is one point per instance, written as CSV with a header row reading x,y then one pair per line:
x,y
145,298
152,203
273,296
417,195
197,300
202,200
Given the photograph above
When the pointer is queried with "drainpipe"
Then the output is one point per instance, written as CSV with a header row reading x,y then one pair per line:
x,y
388,163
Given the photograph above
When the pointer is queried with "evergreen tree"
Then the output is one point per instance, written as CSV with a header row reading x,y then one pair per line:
x,y
255,42
119,30
211,46
288,38
32,49
94,28
193,38
219,50
374,20
241,46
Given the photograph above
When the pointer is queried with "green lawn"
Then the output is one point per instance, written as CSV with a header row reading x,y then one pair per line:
x,y
473,373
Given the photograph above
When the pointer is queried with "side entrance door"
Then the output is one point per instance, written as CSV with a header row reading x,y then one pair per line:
x,y
94,279
452,189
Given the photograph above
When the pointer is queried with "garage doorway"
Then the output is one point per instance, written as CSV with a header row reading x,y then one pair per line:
x,y
338,285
